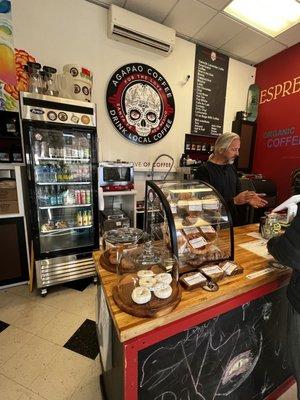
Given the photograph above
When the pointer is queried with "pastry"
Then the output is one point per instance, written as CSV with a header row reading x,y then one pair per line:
x,y
185,196
127,264
145,273
209,233
141,295
196,261
164,277
158,286
148,281
47,227
113,258
189,220
164,292
231,268
213,271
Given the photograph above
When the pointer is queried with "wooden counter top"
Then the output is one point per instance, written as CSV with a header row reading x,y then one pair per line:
x,y
196,300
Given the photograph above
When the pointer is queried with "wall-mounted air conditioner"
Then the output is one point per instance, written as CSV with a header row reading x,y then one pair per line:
x,y
128,27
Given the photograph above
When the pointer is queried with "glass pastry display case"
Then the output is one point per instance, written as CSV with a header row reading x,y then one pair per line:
x,y
192,220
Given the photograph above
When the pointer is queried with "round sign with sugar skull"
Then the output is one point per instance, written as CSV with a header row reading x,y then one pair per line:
x,y
140,103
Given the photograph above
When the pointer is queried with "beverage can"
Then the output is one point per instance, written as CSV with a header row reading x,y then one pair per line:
x,y
77,196
88,196
82,196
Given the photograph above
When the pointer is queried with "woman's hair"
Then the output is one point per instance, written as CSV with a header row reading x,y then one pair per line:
x,y
224,141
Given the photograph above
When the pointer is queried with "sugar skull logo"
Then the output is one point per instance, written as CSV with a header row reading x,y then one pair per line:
x,y
140,103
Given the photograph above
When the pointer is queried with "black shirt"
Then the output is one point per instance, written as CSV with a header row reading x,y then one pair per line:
x,y
225,180
286,249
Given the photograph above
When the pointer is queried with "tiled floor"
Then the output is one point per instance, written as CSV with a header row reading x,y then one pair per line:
x,y
42,347
42,341
291,394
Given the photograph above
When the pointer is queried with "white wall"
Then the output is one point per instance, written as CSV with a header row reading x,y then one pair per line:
x,y
59,32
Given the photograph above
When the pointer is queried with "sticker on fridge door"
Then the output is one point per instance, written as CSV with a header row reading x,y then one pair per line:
x,y
140,103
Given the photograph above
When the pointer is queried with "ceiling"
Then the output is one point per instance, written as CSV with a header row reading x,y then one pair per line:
x,y
204,22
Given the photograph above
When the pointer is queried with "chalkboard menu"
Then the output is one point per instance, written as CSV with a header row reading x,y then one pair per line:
x,y
210,80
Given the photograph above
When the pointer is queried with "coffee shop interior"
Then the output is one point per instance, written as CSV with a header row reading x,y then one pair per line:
x,y
123,272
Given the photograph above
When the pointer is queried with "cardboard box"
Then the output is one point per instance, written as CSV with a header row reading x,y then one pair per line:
x,y
9,207
8,184
8,195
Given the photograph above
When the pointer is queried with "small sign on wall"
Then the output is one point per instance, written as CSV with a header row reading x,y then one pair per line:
x,y
140,103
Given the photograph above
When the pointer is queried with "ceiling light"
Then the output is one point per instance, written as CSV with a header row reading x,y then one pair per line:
x,y
269,16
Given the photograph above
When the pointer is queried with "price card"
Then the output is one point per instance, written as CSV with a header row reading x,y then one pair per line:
x,y
260,273
195,279
214,269
207,229
173,209
195,207
189,230
198,242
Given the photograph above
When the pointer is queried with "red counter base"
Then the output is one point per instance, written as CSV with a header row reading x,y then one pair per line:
x,y
133,347
281,389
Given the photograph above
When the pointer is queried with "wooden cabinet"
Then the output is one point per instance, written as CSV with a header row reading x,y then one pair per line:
x,y
247,131
13,255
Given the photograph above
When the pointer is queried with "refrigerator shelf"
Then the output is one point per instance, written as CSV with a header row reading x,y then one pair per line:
x,y
65,206
83,160
65,230
62,183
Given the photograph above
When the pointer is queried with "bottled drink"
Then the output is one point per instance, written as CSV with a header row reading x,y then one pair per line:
x,y
52,151
79,218
53,198
71,197
44,150
53,173
39,173
84,218
82,197
89,217
65,196
59,197
65,173
88,196
45,173
37,149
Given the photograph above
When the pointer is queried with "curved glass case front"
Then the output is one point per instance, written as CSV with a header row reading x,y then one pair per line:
x,y
191,219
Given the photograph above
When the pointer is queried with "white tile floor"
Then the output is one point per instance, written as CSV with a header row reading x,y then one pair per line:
x,y
34,365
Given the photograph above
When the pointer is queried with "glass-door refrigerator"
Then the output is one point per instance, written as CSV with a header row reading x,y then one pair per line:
x,y
60,139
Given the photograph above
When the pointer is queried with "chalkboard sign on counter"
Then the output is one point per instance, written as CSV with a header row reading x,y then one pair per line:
x,y
236,356
210,81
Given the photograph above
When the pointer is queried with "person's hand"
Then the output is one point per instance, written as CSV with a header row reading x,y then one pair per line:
x,y
256,201
243,197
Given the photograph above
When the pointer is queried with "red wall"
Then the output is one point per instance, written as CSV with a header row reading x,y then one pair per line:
x,y
277,149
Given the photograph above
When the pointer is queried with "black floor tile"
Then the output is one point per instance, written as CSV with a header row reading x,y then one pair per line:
x,y
80,285
3,325
84,341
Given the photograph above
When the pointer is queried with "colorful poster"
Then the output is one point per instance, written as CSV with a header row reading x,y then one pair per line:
x,y
13,78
